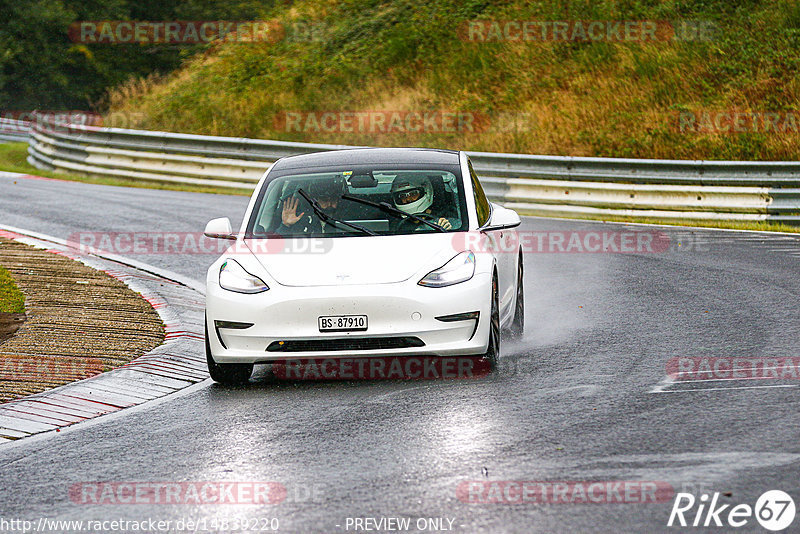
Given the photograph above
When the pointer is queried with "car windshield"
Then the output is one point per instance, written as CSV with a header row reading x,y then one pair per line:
x,y
360,202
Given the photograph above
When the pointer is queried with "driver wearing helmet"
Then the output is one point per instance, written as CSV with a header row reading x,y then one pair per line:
x,y
413,194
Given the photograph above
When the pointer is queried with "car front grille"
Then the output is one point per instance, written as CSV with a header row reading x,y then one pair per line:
x,y
333,344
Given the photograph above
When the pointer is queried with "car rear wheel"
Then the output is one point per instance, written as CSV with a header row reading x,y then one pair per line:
x,y
226,373
493,350
518,325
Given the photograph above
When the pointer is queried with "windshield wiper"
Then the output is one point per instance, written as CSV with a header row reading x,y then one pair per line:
x,y
388,208
333,221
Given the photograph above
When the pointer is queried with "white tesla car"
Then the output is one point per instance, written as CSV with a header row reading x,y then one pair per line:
x,y
364,253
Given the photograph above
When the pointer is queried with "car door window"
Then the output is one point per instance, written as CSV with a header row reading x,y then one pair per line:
x,y
481,202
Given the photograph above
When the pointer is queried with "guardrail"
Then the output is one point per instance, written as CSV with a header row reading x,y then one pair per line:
x,y
14,130
546,185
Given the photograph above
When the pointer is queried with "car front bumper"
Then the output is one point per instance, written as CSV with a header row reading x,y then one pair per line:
x,y
285,321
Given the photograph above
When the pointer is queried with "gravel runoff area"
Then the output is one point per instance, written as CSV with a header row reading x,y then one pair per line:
x,y
80,322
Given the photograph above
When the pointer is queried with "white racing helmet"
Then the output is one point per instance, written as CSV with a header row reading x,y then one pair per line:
x,y
412,193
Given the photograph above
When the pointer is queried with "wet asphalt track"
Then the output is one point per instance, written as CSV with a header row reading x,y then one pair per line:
x,y
581,398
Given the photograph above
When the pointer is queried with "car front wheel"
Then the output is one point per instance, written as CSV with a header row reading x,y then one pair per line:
x,y
493,349
226,373
518,325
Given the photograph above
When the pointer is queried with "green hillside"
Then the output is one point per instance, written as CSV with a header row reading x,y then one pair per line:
x,y
672,96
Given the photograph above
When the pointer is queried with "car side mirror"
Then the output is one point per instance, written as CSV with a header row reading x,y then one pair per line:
x,y
219,229
502,219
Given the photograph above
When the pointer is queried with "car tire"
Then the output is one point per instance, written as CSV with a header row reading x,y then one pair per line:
x,y
226,373
518,324
493,349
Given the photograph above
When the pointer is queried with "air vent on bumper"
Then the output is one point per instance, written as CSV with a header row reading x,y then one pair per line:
x,y
333,344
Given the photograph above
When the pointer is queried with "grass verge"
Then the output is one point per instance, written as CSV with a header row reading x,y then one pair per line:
x,y
11,298
13,159
761,226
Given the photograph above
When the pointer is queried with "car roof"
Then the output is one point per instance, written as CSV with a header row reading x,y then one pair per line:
x,y
367,156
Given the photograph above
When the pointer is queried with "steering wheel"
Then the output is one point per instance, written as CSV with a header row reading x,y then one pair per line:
x,y
408,223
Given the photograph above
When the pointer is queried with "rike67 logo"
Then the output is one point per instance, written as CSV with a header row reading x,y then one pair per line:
x,y
774,510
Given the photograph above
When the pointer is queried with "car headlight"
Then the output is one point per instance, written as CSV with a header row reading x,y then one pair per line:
x,y
460,269
233,277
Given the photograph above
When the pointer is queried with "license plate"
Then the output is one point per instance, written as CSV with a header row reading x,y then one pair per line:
x,y
342,323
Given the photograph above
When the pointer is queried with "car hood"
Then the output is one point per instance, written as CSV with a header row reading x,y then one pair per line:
x,y
351,260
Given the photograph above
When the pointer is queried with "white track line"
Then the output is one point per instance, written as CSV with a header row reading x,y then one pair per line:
x,y
111,416
720,389
752,233
728,379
